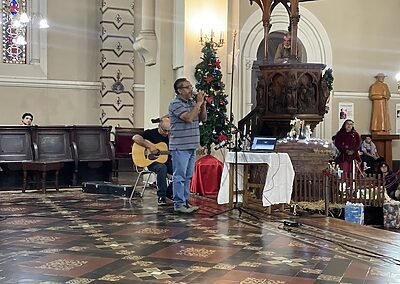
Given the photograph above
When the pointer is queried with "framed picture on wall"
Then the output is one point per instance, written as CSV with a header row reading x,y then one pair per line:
x,y
346,111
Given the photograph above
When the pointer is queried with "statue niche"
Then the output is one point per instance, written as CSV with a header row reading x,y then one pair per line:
x,y
277,94
306,95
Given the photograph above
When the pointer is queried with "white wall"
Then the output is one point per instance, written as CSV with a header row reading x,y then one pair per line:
x,y
66,89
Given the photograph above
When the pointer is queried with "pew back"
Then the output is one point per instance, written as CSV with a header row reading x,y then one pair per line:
x,y
93,142
86,152
15,144
53,143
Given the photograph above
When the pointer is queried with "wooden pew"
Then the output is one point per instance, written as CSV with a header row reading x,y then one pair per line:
x,y
123,148
94,151
15,147
54,144
84,151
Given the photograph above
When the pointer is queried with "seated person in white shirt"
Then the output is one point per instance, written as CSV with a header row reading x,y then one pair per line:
x,y
370,156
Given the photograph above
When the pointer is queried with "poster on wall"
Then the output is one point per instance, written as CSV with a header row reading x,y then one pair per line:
x,y
346,111
397,118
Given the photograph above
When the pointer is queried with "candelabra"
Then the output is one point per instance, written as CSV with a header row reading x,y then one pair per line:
x,y
205,38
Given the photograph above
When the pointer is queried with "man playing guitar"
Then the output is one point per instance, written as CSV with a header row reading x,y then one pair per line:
x,y
148,140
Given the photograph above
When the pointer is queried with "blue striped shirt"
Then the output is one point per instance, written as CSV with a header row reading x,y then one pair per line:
x,y
184,135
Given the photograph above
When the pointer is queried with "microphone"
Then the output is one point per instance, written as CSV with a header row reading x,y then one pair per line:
x,y
196,93
220,145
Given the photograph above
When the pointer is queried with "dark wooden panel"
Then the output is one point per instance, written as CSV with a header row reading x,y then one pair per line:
x,y
15,144
93,143
123,140
95,152
54,143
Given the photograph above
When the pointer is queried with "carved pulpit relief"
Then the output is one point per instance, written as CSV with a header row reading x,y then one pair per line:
x,y
306,95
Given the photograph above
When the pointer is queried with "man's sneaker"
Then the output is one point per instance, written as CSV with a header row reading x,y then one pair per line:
x,y
194,208
184,209
162,201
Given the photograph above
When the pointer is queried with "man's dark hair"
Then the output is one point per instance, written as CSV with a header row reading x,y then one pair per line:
x,y
178,84
27,114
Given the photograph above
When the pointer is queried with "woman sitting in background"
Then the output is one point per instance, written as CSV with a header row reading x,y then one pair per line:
x,y
348,142
391,181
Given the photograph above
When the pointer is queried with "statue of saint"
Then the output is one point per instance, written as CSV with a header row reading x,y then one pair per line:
x,y
379,94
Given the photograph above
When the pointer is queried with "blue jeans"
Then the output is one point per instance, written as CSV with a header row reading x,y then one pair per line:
x,y
161,170
183,164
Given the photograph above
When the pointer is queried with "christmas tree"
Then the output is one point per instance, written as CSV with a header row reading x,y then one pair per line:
x,y
208,75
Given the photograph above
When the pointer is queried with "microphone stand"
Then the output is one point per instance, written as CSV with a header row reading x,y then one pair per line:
x,y
236,205
236,148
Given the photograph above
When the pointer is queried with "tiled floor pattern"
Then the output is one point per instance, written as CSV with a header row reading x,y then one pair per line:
x,y
73,237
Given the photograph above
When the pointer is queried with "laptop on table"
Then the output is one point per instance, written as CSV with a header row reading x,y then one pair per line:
x,y
263,144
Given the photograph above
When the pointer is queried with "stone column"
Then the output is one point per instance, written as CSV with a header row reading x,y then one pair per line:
x,y
117,63
157,30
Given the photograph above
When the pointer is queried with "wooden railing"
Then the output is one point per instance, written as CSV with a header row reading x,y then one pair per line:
x,y
312,187
319,189
250,123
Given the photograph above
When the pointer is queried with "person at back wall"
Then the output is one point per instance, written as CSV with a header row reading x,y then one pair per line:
x,y
27,119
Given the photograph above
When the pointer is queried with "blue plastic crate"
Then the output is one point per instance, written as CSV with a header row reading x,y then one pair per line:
x,y
354,212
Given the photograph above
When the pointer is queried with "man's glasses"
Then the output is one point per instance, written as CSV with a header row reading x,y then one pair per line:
x,y
165,130
187,87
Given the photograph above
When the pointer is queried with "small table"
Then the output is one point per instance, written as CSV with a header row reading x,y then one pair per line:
x,y
278,184
41,167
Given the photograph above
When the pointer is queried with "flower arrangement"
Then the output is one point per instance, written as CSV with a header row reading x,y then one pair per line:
x,y
308,132
297,125
299,130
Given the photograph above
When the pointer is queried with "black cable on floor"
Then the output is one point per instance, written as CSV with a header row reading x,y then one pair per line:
x,y
345,246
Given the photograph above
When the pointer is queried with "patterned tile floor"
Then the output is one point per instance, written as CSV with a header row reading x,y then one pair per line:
x,y
74,237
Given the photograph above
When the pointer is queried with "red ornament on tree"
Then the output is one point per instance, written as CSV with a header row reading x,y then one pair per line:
x,y
209,99
218,64
222,137
209,79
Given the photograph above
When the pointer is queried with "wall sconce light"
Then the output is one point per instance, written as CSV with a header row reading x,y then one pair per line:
x,y
210,38
398,81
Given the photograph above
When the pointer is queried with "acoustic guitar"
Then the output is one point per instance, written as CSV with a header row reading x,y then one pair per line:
x,y
142,157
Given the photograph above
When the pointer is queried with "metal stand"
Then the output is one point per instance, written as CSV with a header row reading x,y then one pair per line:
x,y
236,201
236,148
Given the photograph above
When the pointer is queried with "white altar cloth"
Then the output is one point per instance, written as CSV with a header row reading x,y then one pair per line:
x,y
278,184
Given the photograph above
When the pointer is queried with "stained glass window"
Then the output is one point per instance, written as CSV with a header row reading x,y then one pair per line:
x,y
13,30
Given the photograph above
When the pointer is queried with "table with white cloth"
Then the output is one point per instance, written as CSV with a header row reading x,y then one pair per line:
x,y
278,184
